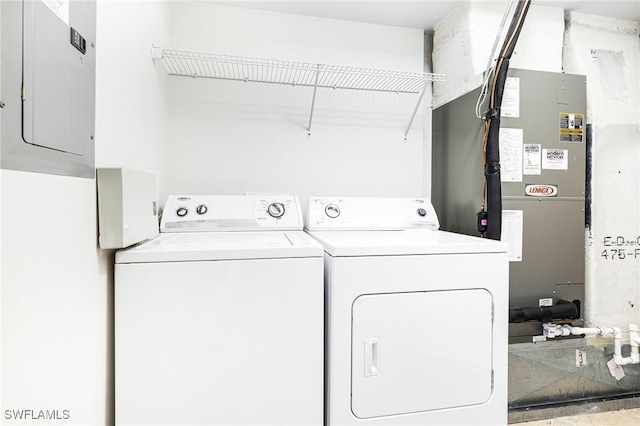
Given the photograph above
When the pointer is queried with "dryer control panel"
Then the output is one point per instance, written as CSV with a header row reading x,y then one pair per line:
x,y
360,213
207,213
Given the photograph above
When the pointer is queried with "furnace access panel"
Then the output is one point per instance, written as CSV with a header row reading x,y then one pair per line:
x,y
543,145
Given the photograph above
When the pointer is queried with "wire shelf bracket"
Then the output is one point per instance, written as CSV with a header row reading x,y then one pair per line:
x,y
247,69
313,101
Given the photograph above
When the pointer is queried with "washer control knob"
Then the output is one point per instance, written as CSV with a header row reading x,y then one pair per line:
x,y
276,210
201,209
422,212
182,211
332,211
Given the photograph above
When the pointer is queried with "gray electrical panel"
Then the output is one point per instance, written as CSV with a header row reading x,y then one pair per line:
x,y
48,86
543,160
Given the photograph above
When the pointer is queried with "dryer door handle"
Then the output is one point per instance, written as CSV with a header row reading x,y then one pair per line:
x,y
371,356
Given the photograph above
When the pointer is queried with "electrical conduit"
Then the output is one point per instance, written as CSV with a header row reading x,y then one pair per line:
x,y
491,144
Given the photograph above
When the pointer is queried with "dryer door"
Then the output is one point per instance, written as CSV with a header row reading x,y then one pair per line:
x,y
421,351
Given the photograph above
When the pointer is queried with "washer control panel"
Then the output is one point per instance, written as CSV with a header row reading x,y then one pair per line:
x,y
202,213
356,213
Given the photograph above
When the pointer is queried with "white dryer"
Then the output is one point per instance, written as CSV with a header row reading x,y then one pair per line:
x,y
416,318
219,320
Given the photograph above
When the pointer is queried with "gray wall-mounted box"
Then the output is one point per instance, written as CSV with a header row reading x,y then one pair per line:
x,y
48,86
545,163
127,207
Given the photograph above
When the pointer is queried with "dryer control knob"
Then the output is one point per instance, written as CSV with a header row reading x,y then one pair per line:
x,y
422,212
182,211
332,211
276,210
201,209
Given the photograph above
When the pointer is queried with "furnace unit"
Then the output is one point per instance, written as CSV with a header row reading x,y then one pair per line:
x,y
543,146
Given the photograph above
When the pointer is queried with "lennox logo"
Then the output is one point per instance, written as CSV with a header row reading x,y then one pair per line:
x,y
541,190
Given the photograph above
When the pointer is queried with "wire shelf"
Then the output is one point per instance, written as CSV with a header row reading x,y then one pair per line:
x,y
240,68
225,67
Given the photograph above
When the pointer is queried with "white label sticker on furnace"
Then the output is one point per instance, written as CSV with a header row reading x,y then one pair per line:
x,y
60,8
547,301
531,159
512,231
511,98
571,127
555,159
511,141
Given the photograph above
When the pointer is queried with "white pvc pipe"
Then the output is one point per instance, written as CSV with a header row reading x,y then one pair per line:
x,y
577,331
634,358
600,331
553,330
633,337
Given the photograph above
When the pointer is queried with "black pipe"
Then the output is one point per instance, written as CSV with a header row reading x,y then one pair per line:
x,y
562,310
492,153
588,174
492,166
604,396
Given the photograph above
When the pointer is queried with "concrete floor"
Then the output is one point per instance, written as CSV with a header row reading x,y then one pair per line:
x,y
629,417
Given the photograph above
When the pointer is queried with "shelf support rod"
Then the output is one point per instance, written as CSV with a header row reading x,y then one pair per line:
x,y
313,100
415,111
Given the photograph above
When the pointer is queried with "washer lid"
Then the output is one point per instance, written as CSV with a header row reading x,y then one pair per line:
x,y
203,246
407,242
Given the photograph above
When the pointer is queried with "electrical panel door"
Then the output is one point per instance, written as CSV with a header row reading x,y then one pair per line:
x,y
48,86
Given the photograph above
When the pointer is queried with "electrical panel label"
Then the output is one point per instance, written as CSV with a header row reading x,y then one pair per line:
x,y
60,8
532,164
571,127
511,141
555,159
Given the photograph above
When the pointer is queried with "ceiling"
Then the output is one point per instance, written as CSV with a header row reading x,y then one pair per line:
x,y
424,14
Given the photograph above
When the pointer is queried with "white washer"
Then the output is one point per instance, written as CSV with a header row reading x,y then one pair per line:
x,y
214,327
416,318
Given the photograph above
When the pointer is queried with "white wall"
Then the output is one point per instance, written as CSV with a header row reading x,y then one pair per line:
x,y
607,51
464,39
131,116
233,137
55,289
1,185
56,285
